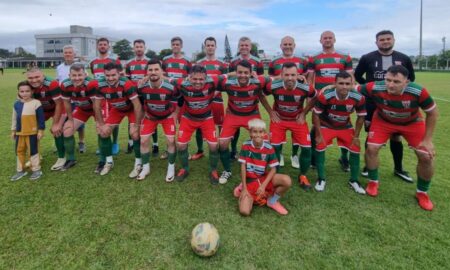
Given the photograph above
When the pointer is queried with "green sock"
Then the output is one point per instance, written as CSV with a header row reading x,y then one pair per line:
x,y
320,164
101,157
199,140
59,143
183,155
106,146
235,140
344,154
69,146
137,148
155,136
354,167
213,160
171,157
305,159
115,134
295,148
373,174
423,185
278,149
145,157
225,158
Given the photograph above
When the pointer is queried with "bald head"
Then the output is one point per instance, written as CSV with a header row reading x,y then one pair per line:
x,y
287,46
327,39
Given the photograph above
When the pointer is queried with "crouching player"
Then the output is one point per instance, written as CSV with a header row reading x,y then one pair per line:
x,y
331,120
258,185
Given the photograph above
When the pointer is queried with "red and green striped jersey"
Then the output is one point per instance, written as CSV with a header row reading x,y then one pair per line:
x,y
327,65
135,69
120,96
399,109
158,102
257,64
243,100
289,103
257,159
197,103
176,67
97,66
335,113
81,96
214,68
276,65
47,94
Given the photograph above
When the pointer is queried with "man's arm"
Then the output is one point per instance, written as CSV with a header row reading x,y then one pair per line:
x,y
360,70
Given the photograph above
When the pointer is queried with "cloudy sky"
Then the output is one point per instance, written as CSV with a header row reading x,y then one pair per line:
x,y
355,22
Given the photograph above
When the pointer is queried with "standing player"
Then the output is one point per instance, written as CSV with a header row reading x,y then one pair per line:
x,y
214,67
398,102
135,70
244,48
197,91
374,65
121,94
159,99
288,114
79,90
98,71
287,47
47,91
323,67
62,73
331,120
244,92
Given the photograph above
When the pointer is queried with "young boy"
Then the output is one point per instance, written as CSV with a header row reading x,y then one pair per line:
x,y
27,128
258,185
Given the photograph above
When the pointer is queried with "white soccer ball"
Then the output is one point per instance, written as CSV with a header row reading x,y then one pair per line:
x,y
205,239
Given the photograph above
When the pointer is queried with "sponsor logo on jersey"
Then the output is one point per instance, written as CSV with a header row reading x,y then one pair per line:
x,y
83,93
297,98
120,94
349,108
338,60
43,94
263,156
398,63
379,75
406,103
162,96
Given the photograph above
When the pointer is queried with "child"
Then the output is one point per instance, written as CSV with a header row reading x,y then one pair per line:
x,y
27,129
258,185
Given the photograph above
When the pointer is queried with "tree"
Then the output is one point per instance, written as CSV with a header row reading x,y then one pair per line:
x,y
24,53
254,50
123,49
198,56
4,53
164,52
151,54
228,54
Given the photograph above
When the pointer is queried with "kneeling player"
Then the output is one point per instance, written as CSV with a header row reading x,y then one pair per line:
x,y
259,186
331,120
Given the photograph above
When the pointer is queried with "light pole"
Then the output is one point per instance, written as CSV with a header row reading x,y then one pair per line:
x,y
420,46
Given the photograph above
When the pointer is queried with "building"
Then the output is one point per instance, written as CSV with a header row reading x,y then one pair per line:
x,y
50,46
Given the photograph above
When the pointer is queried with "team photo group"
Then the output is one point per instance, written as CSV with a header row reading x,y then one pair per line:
x,y
185,99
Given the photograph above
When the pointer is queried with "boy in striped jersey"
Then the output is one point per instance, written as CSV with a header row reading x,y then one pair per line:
x,y
287,47
398,104
331,120
322,69
214,67
260,185
159,98
288,114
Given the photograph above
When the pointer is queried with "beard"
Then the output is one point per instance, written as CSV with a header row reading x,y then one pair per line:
x,y
385,50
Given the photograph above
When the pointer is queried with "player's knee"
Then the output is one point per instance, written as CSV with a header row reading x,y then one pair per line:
x,y
424,158
372,151
244,212
145,140
287,181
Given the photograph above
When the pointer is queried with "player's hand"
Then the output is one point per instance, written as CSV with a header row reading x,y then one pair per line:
x,y
56,130
142,81
367,124
104,130
134,131
301,78
300,119
274,116
331,86
254,74
427,146
355,142
244,193
40,134
13,135
319,138
261,189
69,127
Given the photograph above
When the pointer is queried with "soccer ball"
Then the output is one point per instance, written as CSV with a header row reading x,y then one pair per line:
x,y
205,239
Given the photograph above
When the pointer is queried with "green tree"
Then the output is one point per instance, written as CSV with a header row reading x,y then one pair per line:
x,y
151,54
164,52
254,50
4,53
123,49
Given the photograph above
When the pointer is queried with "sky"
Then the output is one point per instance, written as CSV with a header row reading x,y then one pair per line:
x,y
354,23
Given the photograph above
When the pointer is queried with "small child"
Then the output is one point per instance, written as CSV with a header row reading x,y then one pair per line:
x,y
28,124
260,186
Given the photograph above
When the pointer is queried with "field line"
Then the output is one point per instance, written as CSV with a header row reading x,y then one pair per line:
x,y
441,99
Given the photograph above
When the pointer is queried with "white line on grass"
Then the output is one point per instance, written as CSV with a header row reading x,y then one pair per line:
x,y
441,99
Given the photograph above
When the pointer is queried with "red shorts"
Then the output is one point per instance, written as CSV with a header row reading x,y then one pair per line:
x,y
233,122
148,127
381,131
299,133
115,117
344,139
188,126
49,114
253,187
218,113
81,115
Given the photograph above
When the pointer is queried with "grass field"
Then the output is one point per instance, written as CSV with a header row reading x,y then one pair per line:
x,y
78,220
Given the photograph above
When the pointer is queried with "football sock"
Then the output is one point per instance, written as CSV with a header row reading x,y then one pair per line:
x,y
59,143
274,199
312,135
137,148
373,174
137,161
106,146
344,154
320,164
305,159
213,160
199,140
295,148
397,154
235,140
69,146
423,185
183,155
115,134
145,158
101,157
155,137
171,157
225,158
278,149
354,167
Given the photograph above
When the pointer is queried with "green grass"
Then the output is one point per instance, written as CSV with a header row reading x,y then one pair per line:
x,y
77,220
